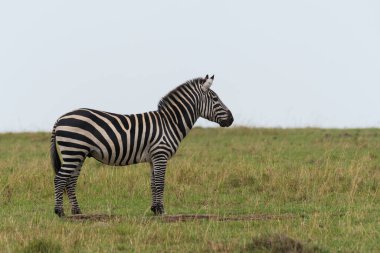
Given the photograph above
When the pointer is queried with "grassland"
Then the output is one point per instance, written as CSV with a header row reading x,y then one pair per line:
x,y
317,186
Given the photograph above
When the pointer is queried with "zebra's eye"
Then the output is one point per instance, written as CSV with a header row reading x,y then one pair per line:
x,y
215,99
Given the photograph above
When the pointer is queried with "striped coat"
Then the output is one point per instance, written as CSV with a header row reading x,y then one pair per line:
x,y
120,140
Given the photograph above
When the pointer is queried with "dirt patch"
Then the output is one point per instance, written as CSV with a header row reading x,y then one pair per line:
x,y
279,243
193,217
186,217
90,217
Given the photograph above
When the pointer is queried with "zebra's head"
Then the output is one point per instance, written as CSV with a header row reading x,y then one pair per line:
x,y
211,107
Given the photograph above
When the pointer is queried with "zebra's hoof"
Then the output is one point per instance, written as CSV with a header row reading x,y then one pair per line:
x,y
76,211
59,212
158,210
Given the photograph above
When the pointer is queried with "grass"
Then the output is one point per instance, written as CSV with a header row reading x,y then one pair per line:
x,y
320,186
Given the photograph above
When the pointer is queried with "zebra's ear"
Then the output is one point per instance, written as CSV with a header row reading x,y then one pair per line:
x,y
208,82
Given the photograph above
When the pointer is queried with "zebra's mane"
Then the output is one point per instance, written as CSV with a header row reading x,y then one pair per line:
x,y
164,100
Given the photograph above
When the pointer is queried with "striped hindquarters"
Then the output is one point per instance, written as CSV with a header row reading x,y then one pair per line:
x,y
113,139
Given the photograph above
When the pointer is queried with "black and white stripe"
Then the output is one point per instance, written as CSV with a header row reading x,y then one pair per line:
x,y
121,140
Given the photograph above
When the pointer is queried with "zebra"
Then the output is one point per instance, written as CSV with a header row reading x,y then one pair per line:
x,y
119,140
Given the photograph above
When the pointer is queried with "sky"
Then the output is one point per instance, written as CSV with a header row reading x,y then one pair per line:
x,y
276,63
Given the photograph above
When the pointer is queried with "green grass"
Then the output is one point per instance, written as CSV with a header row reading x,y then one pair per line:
x,y
327,180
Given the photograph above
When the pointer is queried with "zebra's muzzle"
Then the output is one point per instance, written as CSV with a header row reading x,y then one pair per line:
x,y
228,122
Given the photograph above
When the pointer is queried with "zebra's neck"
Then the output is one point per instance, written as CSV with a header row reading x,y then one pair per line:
x,y
179,115
179,120
180,109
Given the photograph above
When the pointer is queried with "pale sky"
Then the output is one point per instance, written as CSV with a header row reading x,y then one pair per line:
x,y
276,63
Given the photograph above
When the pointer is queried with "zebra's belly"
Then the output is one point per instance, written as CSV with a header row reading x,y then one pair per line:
x,y
121,161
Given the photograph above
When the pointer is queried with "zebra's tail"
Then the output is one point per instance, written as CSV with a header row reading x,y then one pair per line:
x,y
55,161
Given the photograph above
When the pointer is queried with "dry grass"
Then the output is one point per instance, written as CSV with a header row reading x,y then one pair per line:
x,y
327,181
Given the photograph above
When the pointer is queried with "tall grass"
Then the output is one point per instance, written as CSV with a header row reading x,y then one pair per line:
x,y
327,180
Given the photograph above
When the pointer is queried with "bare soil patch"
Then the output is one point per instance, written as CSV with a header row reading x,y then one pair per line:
x,y
279,243
90,217
186,217
258,217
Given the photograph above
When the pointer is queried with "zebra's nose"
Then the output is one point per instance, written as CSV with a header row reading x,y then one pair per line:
x,y
228,122
230,117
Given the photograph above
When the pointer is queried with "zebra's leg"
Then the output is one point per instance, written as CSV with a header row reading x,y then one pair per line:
x,y
70,168
159,169
59,187
70,189
153,189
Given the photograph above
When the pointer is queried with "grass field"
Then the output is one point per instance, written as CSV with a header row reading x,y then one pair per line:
x,y
306,190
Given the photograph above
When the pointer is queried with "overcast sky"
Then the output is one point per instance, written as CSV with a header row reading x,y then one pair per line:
x,y
276,63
